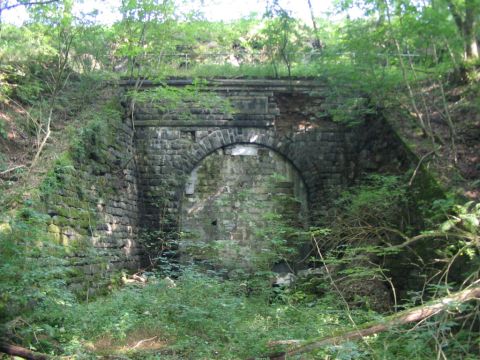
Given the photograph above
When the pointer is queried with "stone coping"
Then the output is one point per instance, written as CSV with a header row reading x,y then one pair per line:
x,y
277,85
203,123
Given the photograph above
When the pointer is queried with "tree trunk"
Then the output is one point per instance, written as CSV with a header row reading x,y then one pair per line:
x,y
21,352
466,25
318,43
469,27
415,314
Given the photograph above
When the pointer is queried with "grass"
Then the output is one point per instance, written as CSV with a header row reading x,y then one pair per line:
x,y
200,317
339,67
205,317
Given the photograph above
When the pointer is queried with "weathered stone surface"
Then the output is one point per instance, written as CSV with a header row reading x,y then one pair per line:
x,y
95,214
228,200
286,118
148,167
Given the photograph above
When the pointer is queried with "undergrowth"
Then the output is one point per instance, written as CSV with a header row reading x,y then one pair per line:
x,y
200,315
205,317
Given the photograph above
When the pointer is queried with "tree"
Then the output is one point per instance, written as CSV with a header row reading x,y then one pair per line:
x,y
57,22
282,37
146,33
318,43
8,5
465,14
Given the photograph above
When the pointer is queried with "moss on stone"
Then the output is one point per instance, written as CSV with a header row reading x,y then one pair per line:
x,y
60,221
63,209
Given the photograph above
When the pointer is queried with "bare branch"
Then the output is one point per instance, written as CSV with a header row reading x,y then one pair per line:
x,y
413,315
44,141
11,169
30,3
420,163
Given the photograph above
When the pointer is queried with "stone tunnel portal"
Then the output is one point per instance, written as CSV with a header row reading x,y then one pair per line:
x,y
237,207
278,130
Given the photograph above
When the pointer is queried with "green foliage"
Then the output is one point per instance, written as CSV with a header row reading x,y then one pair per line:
x,y
281,37
6,87
182,101
463,223
58,63
33,269
281,231
89,54
23,52
378,200
3,130
57,176
465,216
206,317
144,34
34,250
90,142
200,316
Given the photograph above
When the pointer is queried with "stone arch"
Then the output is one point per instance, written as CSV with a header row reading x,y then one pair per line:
x,y
233,189
254,136
170,154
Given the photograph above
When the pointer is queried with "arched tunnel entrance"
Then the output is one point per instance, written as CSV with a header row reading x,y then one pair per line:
x,y
241,210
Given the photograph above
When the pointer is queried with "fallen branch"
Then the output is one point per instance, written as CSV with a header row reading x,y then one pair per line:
x,y
143,341
408,241
415,314
11,169
284,342
444,234
15,350
422,159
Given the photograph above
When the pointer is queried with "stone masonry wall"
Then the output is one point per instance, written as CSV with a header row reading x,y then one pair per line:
x,y
288,117
131,177
93,207
233,203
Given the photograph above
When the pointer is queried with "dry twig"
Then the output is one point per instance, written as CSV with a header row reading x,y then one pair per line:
x,y
413,315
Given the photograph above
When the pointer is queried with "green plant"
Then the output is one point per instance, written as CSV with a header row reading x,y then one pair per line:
x,y
90,141
31,278
60,173
181,102
201,315
282,37
3,130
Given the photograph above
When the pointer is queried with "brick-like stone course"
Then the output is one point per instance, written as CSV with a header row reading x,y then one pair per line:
x,y
140,186
95,213
287,117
